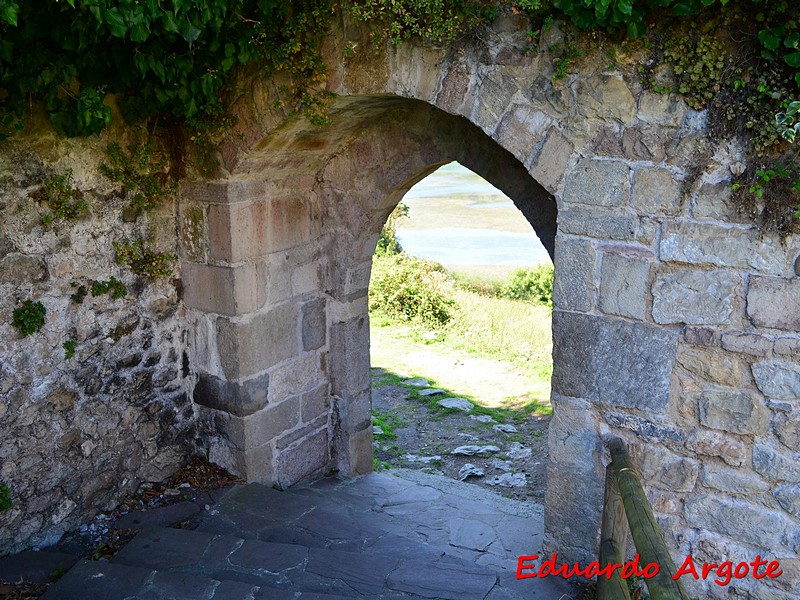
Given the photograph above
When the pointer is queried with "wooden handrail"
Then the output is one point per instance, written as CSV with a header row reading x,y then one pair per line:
x,y
625,496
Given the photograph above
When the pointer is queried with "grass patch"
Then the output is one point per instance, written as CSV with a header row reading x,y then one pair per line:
x,y
387,422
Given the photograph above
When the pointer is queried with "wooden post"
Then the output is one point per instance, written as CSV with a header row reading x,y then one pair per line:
x,y
613,541
647,536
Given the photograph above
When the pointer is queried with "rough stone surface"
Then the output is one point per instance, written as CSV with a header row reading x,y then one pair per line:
x,y
774,302
778,379
623,286
461,404
733,411
655,191
777,466
740,520
598,182
573,287
732,481
712,443
694,297
590,352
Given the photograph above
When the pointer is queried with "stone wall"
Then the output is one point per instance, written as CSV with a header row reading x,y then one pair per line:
x,y
675,324
77,433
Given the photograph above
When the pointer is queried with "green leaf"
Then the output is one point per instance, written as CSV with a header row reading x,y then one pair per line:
x,y
770,39
625,6
190,33
792,40
636,30
9,10
116,22
793,59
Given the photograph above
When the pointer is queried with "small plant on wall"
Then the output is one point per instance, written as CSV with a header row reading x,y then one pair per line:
x,y
28,318
5,498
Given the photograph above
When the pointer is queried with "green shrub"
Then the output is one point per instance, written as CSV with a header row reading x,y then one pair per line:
x,y
28,318
410,288
534,285
387,241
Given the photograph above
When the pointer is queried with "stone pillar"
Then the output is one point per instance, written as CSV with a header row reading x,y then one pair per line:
x,y
250,275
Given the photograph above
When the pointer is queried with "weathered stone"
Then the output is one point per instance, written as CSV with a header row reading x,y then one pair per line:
x,y
461,404
598,224
787,427
787,346
508,480
775,465
224,290
590,352
694,297
573,287
431,579
774,302
550,163
788,496
711,365
505,428
733,411
661,109
295,376
623,286
416,382
605,97
712,443
431,392
664,469
740,520
475,450
655,191
713,201
643,144
315,403
706,244
522,129
349,352
252,346
471,534
598,182
240,399
468,470
16,268
732,481
314,325
645,429
747,343
779,379
572,435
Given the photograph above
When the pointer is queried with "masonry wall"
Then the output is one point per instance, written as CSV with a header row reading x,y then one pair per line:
x,y
78,433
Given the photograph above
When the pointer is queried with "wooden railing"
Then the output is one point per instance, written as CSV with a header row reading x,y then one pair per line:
x,y
626,509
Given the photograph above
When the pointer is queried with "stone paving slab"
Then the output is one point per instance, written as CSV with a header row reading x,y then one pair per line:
x,y
165,516
34,567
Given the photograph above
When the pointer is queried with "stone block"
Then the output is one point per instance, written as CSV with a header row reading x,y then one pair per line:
x,y
294,377
605,96
787,346
224,192
788,496
551,162
711,365
778,379
732,481
739,520
694,297
349,353
590,352
16,268
733,411
713,201
666,470
290,224
271,422
572,438
253,346
193,233
573,288
238,232
226,291
598,183
302,432
359,454
786,427
747,343
493,97
314,327
623,286
662,109
774,302
713,443
455,87
315,403
701,336
522,130
573,506
597,223
775,465
645,428
656,192
240,399
302,461
706,244
644,144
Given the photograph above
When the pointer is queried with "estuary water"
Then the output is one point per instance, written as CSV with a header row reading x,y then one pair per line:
x,y
458,219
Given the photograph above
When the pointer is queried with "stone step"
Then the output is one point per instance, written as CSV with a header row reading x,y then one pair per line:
x,y
286,569
99,580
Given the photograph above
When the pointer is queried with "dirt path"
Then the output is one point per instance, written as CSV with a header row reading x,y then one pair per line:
x,y
413,431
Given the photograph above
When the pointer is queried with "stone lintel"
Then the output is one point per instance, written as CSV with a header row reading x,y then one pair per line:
x,y
229,291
